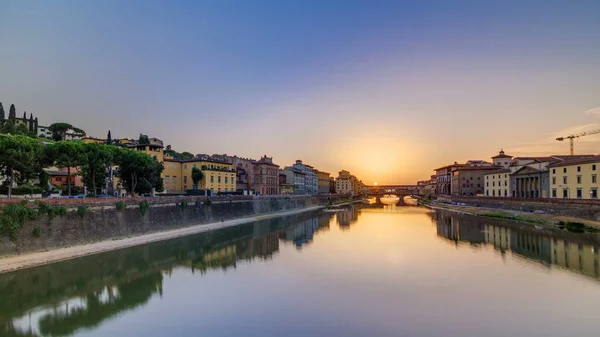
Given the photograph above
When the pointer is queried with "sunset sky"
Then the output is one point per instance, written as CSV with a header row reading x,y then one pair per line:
x,y
386,89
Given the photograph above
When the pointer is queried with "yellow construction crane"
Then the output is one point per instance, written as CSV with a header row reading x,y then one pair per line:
x,y
572,137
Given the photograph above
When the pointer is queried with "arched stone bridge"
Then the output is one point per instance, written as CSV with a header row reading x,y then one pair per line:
x,y
399,190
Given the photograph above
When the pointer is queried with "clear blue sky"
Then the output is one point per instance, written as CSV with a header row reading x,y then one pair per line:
x,y
386,89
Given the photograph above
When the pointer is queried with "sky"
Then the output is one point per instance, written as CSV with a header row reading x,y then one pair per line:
x,y
388,90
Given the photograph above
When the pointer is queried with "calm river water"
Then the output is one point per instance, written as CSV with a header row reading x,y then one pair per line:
x,y
399,271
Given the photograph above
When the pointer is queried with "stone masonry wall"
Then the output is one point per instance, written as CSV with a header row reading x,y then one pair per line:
x,y
106,222
589,209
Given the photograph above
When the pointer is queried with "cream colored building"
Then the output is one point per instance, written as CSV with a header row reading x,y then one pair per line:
x,y
345,183
497,183
575,178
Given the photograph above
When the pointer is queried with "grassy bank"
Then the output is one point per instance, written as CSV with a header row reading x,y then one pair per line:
x,y
570,224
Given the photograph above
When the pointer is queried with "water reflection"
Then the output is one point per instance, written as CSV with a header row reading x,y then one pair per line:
x,y
62,298
574,252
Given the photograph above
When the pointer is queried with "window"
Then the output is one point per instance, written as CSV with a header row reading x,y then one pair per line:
x,y
166,179
225,180
554,193
487,184
194,165
594,167
212,179
505,183
219,179
565,170
579,179
578,168
174,165
174,179
185,179
564,179
565,193
505,192
553,170
493,184
594,193
185,166
553,180
579,193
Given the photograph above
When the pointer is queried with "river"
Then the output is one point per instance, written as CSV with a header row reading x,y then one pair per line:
x,y
364,271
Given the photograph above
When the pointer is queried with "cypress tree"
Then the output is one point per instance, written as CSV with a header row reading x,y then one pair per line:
x,y
2,115
12,113
108,138
24,116
36,124
31,126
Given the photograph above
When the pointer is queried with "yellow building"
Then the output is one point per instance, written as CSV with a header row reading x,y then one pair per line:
x,y
287,188
218,176
575,178
93,140
154,148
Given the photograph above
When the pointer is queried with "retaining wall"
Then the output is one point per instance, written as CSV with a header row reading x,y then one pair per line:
x,y
584,209
106,222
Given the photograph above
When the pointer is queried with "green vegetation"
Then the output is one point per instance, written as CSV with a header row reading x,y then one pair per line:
x,y
197,175
183,155
144,206
12,219
81,210
23,158
36,232
120,205
576,227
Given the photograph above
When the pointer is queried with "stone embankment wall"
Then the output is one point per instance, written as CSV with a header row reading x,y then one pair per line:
x,y
102,221
584,209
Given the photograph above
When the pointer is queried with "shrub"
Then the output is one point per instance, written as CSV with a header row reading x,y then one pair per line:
x,y
144,206
36,232
22,190
61,210
120,205
12,219
575,227
81,210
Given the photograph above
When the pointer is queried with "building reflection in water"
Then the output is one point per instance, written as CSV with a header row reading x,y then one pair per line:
x,y
574,252
63,298
347,216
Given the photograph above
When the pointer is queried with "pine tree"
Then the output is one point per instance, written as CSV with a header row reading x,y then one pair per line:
x,y
12,113
109,138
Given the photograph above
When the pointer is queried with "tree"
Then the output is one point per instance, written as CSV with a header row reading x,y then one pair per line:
x,y
109,138
12,113
186,155
67,154
59,130
143,139
139,172
95,160
197,175
2,115
9,127
36,124
31,125
17,154
24,116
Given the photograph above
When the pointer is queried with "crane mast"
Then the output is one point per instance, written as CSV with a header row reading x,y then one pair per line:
x,y
572,137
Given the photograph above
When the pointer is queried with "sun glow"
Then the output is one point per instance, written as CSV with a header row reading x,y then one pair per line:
x,y
375,184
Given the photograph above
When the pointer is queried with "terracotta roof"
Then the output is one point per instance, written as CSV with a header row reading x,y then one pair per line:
x,y
576,160
474,168
502,170
448,166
